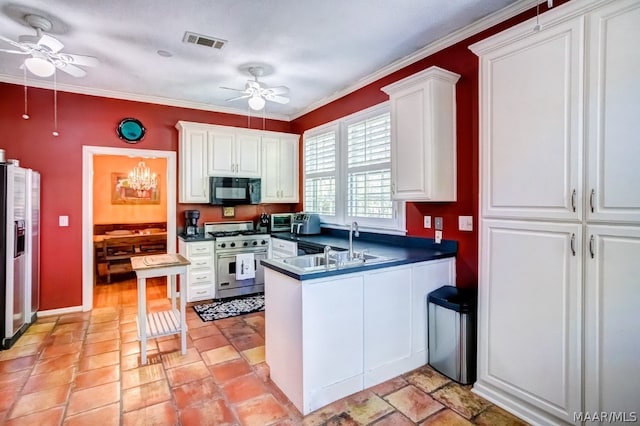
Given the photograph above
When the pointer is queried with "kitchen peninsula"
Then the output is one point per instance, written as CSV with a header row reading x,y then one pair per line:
x,y
333,332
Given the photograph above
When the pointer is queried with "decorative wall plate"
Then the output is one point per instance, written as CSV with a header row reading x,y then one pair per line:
x,y
131,130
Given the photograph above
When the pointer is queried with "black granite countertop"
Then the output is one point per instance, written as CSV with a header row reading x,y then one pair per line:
x,y
399,250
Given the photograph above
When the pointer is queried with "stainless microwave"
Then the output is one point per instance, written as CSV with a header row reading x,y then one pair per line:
x,y
234,191
281,222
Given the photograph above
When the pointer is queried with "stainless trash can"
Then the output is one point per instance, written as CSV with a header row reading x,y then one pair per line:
x,y
451,313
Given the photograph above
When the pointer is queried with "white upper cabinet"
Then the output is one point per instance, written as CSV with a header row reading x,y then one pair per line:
x,y
233,152
613,138
192,174
280,169
423,136
531,111
210,150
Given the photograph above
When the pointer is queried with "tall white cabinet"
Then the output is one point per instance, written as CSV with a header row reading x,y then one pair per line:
x,y
560,214
280,168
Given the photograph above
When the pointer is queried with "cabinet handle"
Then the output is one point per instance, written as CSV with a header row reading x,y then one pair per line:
x,y
573,200
573,244
593,254
593,193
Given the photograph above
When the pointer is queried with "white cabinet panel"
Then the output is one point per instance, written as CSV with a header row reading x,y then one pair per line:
x,y
387,333
280,169
530,313
612,331
200,277
532,134
332,330
233,152
614,127
194,183
423,136
282,248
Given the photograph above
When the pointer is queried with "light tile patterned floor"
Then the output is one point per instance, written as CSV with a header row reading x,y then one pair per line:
x,y
83,369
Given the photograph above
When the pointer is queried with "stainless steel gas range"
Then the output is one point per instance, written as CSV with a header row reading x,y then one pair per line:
x,y
238,251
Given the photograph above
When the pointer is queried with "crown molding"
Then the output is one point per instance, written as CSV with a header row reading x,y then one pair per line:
x,y
45,84
438,45
449,40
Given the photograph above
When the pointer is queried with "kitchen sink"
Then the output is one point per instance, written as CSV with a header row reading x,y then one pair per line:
x,y
337,260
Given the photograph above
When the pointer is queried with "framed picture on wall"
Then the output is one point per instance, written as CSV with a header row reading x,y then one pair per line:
x,y
122,191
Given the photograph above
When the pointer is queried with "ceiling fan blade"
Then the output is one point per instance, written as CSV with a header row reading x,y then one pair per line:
x,y
15,43
53,45
277,99
238,97
231,88
71,69
88,61
18,52
277,90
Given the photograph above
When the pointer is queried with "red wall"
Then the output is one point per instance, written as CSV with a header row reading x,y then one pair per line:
x,y
88,120
459,59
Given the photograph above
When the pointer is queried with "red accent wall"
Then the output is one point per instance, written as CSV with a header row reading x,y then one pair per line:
x,y
90,120
459,59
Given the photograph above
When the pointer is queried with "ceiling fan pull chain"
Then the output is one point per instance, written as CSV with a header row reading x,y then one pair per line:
x,y
55,106
26,114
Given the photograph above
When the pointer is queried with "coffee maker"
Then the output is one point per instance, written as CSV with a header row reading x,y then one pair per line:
x,y
191,223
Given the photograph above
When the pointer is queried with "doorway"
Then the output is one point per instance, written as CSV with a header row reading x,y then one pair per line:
x,y
169,177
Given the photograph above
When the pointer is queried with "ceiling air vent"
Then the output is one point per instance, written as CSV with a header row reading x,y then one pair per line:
x,y
203,40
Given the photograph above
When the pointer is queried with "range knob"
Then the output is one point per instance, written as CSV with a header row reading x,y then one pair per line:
x,y
255,243
263,242
222,245
245,244
232,245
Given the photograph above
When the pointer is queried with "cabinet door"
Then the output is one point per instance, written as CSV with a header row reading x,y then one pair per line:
x,y
221,159
248,154
531,125
288,169
270,169
612,331
194,182
613,128
387,323
529,336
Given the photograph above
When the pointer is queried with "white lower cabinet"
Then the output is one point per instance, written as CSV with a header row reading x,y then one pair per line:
x,y
282,248
612,326
200,275
529,314
331,337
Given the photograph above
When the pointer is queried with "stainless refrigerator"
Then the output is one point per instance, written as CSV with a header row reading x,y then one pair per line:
x,y
16,267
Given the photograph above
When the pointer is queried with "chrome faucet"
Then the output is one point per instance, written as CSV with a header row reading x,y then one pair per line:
x,y
327,253
351,235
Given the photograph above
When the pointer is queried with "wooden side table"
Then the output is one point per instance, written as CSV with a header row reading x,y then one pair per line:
x,y
163,323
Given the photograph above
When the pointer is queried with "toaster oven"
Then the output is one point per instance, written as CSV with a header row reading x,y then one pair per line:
x,y
281,222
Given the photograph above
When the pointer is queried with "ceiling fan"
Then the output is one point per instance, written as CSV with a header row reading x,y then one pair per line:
x,y
45,51
258,93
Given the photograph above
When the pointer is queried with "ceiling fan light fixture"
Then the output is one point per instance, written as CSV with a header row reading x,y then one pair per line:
x,y
256,102
40,67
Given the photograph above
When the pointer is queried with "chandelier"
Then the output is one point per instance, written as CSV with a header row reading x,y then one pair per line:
x,y
141,178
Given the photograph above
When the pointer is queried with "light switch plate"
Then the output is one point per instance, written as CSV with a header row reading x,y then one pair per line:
x,y
63,221
465,223
427,221
438,223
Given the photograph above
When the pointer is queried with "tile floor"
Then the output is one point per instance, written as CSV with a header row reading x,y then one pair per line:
x,y
84,369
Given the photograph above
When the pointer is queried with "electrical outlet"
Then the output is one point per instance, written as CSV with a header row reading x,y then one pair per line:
x,y
438,237
427,221
438,223
465,223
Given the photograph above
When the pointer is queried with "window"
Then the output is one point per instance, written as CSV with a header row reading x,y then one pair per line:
x,y
347,171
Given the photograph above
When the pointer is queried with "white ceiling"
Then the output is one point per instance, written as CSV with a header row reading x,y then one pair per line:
x,y
320,49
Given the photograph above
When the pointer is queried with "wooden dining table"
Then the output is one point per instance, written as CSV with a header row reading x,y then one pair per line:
x,y
114,250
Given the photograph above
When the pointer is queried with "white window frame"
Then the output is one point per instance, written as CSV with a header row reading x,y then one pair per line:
x,y
342,220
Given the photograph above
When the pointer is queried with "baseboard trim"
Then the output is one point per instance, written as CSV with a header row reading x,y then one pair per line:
x,y
60,311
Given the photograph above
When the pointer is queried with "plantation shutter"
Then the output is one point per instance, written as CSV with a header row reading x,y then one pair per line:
x,y
320,173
